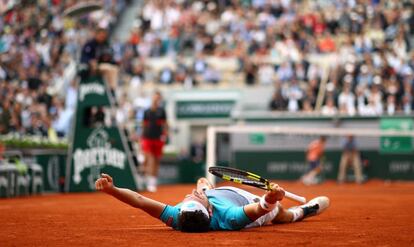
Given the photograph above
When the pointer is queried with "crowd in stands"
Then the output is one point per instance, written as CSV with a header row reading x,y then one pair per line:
x,y
351,57
371,42
38,53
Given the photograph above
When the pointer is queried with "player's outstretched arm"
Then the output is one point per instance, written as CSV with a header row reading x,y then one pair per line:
x,y
150,206
268,203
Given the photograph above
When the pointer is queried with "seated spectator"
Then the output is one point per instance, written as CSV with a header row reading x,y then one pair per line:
x,y
326,44
61,117
391,105
346,100
250,73
369,109
277,103
361,99
200,65
211,75
307,106
166,76
329,109
37,126
266,74
375,99
294,94
5,115
181,71
407,104
285,72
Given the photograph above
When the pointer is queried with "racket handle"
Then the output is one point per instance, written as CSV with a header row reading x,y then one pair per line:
x,y
295,197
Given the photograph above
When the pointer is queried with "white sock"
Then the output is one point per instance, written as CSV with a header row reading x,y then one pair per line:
x,y
297,213
151,180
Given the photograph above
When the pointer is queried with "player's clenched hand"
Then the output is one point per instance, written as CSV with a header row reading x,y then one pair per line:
x,y
104,183
275,194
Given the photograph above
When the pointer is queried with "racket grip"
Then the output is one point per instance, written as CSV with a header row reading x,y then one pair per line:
x,y
295,197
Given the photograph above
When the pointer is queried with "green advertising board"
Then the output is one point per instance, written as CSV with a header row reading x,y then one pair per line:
x,y
257,138
204,108
96,147
396,144
291,165
54,168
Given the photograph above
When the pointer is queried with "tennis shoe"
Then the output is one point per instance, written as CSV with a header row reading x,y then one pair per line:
x,y
315,206
151,188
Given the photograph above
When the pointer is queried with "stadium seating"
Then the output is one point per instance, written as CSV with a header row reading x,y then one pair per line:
x,y
8,174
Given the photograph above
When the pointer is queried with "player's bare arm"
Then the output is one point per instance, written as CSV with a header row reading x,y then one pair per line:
x,y
256,210
150,206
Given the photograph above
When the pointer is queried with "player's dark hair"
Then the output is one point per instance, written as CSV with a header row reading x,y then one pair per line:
x,y
194,221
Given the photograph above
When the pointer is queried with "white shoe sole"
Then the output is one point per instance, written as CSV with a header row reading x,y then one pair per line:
x,y
322,201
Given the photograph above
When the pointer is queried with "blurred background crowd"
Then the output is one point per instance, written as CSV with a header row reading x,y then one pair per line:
x,y
39,50
348,57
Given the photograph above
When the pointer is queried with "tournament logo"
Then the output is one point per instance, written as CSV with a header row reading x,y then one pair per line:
x,y
90,88
99,154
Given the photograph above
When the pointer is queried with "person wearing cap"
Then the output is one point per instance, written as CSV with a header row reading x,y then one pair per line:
x,y
223,208
97,56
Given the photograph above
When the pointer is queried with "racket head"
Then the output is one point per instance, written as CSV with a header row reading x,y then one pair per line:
x,y
240,176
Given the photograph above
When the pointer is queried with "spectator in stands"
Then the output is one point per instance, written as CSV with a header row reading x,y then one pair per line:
x,y
124,112
166,76
375,43
141,103
5,116
211,75
294,94
285,72
277,103
346,99
266,73
391,105
61,116
2,149
361,99
37,126
329,109
375,99
307,106
37,54
200,65
250,72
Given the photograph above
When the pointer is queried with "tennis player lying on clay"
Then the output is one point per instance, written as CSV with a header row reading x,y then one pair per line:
x,y
222,208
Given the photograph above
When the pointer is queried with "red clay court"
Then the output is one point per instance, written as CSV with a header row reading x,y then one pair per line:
x,y
374,214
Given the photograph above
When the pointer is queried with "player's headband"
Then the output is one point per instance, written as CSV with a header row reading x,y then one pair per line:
x,y
192,206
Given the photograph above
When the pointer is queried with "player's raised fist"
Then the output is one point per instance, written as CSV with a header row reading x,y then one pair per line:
x,y
275,194
104,183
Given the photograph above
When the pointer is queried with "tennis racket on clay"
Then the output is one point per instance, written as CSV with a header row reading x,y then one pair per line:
x,y
248,178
